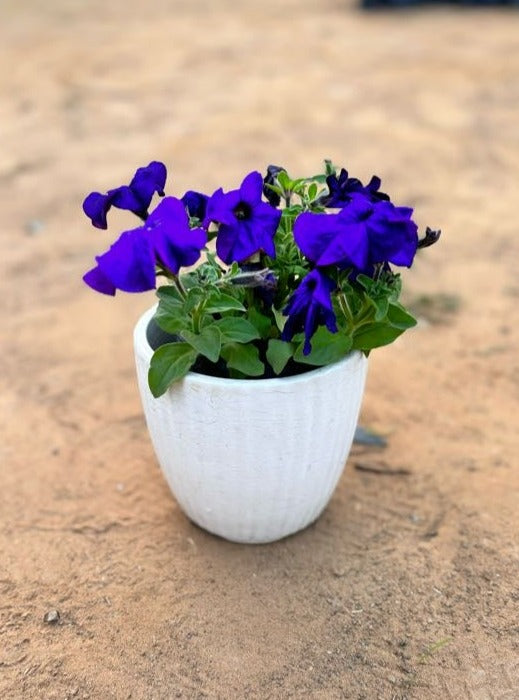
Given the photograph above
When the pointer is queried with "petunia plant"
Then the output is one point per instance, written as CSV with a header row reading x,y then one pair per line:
x,y
274,278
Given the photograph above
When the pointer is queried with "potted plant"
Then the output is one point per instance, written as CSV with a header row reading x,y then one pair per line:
x,y
252,364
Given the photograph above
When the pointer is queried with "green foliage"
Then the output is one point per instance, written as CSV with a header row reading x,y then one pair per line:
x,y
218,302
261,322
278,354
234,329
244,358
169,363
215,314
208,342
369,308
326,348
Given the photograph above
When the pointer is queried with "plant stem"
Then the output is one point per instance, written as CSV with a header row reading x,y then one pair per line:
x,y
345,308
178,284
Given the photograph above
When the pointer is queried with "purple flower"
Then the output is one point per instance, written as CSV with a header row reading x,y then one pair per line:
x,y
174,243
247,225
310,306
135,197
341,189
196,204
128,265
360,235
165,239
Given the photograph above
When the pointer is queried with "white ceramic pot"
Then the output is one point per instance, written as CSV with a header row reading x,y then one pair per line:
x,y
253,460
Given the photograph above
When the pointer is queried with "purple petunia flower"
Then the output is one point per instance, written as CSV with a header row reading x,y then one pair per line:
x,y
246,224
196,204
135,197
175,244
360,235
165,239
310,306
341,189
128,265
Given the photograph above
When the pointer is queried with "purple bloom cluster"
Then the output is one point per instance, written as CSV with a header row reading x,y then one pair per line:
x,y
165,239
247,225
364,230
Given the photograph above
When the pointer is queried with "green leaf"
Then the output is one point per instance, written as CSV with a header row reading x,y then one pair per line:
x,y
273,188
236,330
170,315
329,167
280,318
366,282
244,358
208,342
169,363
321,179
284,181
262,323
193,298
381,307
279,353
219,302
170,292
312,191
326,348
374,335
399,317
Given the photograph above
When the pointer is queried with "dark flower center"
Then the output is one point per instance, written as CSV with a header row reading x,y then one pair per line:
x,y
364,216
242,211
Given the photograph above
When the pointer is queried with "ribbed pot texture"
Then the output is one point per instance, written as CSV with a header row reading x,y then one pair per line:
x,y
253,460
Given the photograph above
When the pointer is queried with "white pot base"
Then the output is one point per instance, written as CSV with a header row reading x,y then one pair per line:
x,y
253,461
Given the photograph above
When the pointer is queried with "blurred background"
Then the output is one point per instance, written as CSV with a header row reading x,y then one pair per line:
x,y
407,586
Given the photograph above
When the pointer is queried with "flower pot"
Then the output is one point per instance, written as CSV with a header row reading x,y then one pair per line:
x,y
253,460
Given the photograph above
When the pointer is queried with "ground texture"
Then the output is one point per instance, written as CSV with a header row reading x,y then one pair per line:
x,y
407,587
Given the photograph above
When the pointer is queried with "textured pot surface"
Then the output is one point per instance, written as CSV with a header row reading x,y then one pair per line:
x,y
253,460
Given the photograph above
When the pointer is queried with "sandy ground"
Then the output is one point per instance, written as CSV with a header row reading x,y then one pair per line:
x,y
407,587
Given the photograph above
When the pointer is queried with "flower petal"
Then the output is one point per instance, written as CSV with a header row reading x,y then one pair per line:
x,y
175,244
309,307
251,188
247,225
195,203
328,239
99,282
147,181
393,236
129,263
220,208
96,206
125,198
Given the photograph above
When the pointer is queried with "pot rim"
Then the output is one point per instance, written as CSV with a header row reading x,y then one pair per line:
x,y
144,348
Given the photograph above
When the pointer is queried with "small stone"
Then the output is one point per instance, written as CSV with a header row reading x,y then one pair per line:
x,y
52,617
33,227
363,436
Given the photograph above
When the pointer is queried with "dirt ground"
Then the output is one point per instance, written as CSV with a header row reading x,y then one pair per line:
x,y
408,585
